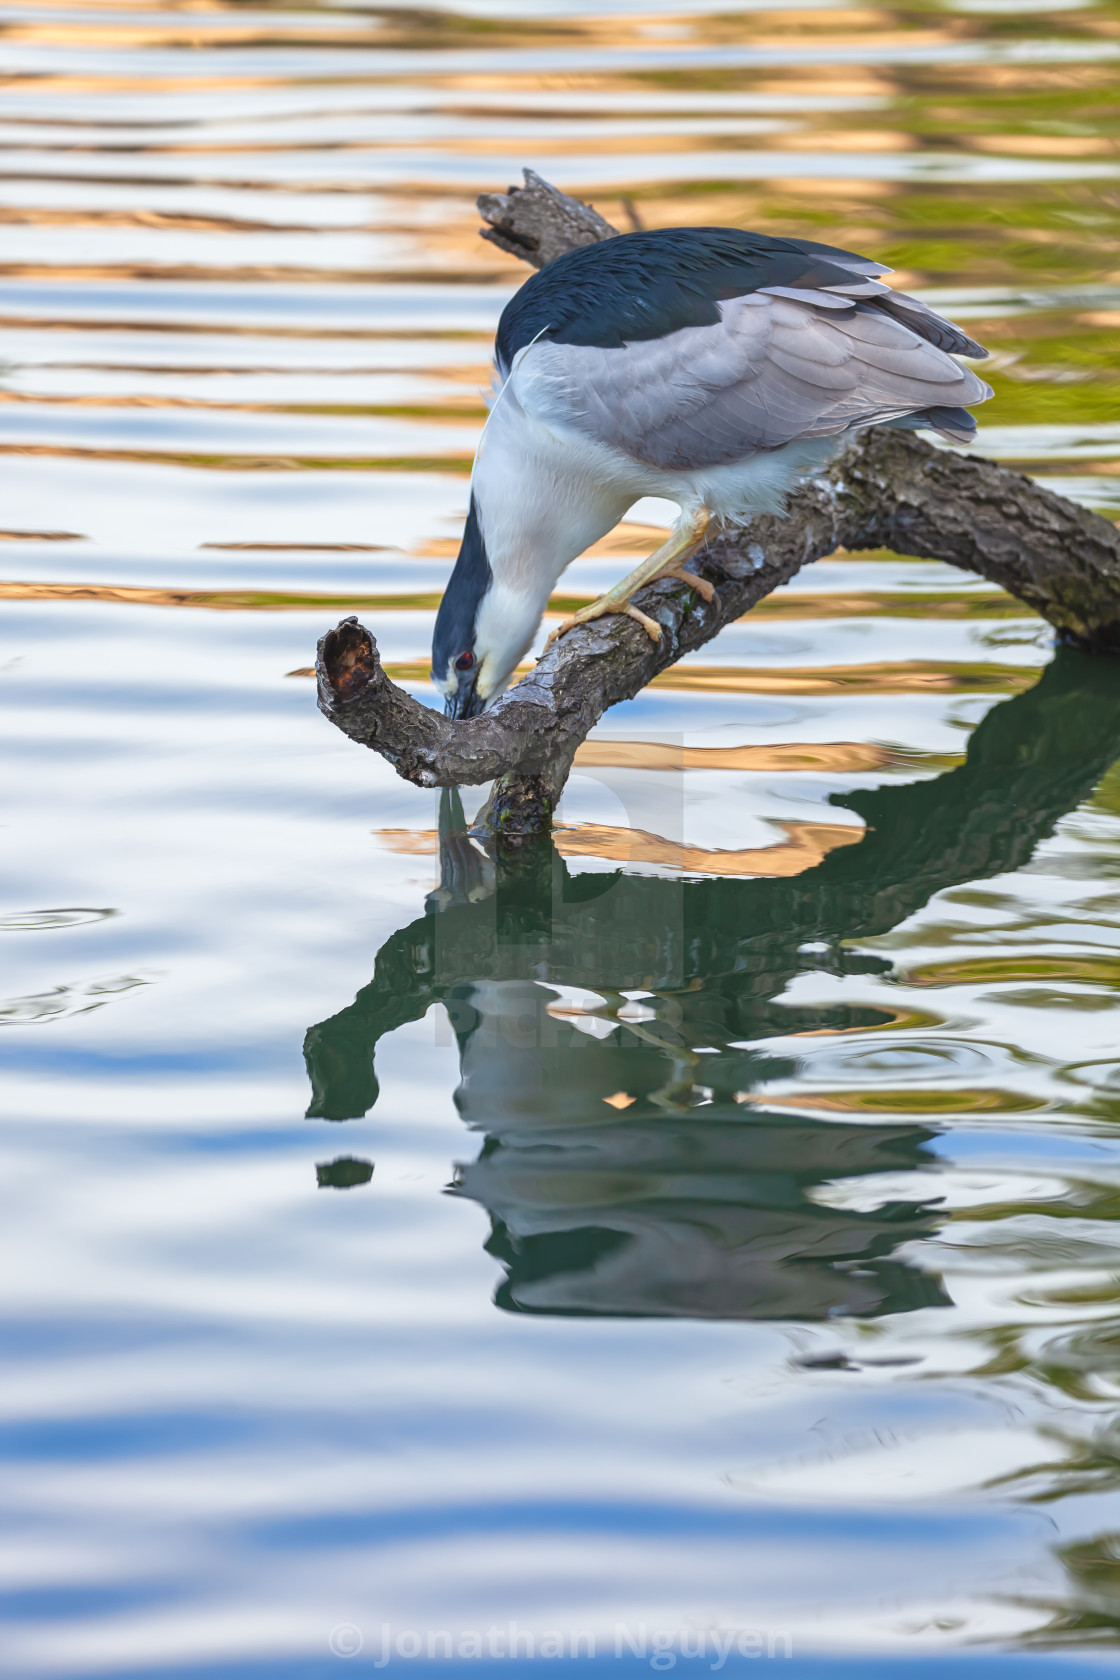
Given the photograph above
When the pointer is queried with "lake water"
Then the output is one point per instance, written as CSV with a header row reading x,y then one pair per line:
x,y
709,1231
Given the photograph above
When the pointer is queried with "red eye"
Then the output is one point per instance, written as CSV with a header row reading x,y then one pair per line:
x,y
464,661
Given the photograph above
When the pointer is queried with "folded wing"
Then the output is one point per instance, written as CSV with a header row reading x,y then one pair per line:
x,y
782,363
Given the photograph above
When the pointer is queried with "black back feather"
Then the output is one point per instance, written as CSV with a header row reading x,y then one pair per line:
x,y
648,284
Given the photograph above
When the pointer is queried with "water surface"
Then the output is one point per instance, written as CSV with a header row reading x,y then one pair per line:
x,y
709,1224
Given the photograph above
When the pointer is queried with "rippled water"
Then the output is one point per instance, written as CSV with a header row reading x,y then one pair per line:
x,y
728,1237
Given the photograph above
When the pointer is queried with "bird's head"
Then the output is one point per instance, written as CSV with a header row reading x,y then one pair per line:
x,y
461,697
482,629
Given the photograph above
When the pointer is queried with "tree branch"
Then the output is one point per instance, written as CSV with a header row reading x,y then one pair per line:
x,y
538,223
887,490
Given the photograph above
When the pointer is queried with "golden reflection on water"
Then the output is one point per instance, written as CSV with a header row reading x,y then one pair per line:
x,y
915,677
804,847
916,604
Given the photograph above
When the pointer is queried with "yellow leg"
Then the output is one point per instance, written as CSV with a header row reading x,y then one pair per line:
x,y
666,561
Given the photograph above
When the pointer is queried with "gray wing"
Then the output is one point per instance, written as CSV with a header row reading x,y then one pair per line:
x,y
780,365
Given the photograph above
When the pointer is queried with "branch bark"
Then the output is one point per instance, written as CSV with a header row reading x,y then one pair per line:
x,y
538,223
887,490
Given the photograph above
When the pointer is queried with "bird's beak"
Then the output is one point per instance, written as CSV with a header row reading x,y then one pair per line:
x,y
465,702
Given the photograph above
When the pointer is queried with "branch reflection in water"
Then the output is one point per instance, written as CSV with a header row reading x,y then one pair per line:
x,y
632,1166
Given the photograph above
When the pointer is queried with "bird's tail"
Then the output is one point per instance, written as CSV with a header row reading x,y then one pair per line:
x,y
956,424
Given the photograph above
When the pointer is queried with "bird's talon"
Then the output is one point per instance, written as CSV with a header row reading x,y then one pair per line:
x,y
649,625
584,616
701,585
587,615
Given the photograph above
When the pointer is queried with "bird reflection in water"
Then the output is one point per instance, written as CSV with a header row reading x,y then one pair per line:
x,y
630,1163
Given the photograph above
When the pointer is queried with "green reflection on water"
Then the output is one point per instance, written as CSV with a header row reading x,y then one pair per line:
x,y
632,1162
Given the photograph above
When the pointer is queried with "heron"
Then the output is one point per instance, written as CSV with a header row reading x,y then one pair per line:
x,y
708,366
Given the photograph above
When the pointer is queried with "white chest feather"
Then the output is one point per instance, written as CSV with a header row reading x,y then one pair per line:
x,y
543,495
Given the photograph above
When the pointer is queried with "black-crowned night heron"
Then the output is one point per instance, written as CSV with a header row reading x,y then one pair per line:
x,y
707,366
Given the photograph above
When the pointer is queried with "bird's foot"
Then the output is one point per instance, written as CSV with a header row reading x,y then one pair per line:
x,y
701,585
666,561
600,609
